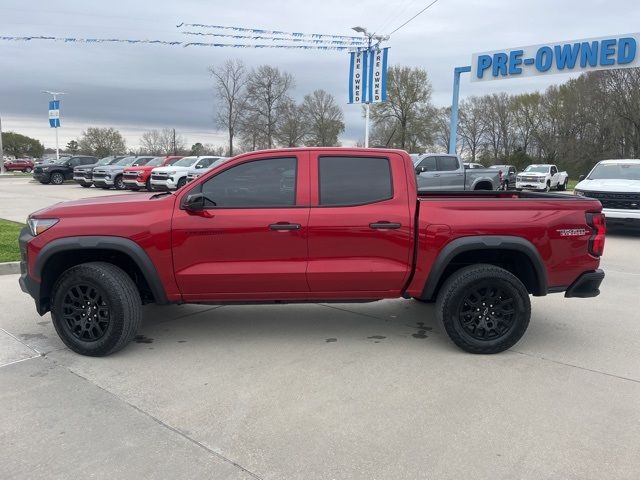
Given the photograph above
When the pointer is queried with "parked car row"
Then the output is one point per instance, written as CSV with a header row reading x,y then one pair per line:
x,y
144,172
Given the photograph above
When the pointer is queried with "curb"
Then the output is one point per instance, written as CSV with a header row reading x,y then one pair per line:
x,y
9,268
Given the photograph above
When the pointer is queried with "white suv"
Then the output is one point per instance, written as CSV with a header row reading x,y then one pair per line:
x,y
616,183
175,176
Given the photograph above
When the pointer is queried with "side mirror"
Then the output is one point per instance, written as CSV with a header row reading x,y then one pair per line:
x,y
421,169
581,177
194,202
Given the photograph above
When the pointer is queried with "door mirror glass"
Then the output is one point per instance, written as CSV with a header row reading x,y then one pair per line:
x,y
581,177
194,202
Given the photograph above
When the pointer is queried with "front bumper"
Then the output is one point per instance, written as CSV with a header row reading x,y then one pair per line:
x,y
103,182
129,183
82,180
530,186
586,286
620,215
43,176
27,283
167,184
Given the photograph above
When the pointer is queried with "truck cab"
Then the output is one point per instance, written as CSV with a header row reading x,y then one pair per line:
x,y
445,172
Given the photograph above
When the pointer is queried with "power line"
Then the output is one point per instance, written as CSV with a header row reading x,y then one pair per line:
x,y
424,9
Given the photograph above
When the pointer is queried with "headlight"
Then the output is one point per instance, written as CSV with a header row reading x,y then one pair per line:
x,y
39,225
579,193
172,172
107,175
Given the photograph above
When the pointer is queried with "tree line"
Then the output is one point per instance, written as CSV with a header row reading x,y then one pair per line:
x,y
257,111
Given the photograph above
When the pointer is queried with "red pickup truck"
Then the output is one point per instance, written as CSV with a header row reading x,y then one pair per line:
x,y
135,178
310,224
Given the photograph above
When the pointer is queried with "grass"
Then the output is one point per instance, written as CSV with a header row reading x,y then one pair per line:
x,y
572,184
9,232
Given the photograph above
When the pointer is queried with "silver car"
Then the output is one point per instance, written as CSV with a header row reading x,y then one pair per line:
x,y
202,168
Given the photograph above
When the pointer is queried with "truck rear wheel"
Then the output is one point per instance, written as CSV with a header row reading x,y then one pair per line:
x,y
483,309
95,308
562,187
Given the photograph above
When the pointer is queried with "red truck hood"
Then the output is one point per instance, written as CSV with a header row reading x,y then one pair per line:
x,y
126,204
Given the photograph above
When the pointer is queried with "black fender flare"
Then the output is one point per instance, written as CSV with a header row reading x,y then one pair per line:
x,y
485,242
119,244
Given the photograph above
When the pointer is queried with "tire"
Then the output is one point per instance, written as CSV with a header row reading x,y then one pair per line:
x,y
84,185
118,182
148,185
506,185
28,170
182,182
106,290
547,187
483,282
563,187
57,178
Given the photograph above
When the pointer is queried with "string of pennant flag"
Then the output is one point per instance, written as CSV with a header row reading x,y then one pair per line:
x,y
272,32
356,43
172,43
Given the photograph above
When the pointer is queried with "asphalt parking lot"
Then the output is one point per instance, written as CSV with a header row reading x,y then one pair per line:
x,y
365,391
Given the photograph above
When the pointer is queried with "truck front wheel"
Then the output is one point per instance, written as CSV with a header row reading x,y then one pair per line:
x,y
483,308
95,308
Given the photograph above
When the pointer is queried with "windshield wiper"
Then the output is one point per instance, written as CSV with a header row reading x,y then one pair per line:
x,y
160,194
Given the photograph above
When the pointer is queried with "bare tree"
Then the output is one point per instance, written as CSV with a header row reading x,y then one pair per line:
x,y
161,142
324,118
408,109
267,89
229,84
471,125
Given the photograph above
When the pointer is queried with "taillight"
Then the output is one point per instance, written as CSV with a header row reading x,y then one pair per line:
x,y
596,243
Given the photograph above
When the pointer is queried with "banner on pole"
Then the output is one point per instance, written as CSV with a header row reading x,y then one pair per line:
x,y
368,76
54,113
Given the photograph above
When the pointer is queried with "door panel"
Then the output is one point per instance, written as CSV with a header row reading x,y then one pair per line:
x,y
430,179
359,248
252,252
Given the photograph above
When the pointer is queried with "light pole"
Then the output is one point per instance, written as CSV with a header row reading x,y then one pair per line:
x,y
370,37
55,97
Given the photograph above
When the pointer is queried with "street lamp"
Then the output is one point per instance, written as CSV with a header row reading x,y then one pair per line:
x,y
55,97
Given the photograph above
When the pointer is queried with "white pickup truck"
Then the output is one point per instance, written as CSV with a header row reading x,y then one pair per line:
x,y
542,177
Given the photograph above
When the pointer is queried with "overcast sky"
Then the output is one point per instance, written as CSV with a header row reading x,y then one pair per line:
x,y
138,87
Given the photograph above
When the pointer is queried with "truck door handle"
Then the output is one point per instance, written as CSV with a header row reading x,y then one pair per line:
x,y
384,225
459,174
436,174
284,226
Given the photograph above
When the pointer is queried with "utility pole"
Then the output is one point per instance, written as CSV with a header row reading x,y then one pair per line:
x,y
370,37
174,142
55,97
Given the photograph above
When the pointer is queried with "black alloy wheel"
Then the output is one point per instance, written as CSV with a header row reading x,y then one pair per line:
x,y
487,312
85,312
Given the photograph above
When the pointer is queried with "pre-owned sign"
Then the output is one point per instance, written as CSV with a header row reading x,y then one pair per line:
x,y
564,57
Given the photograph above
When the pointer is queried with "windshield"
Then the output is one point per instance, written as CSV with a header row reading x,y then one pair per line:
x,y
125,162
501,167
618,171
105,161
186,162
155,161
142,161
537,169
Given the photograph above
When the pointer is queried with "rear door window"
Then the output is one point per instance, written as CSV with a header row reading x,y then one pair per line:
x,y
448,163
345,181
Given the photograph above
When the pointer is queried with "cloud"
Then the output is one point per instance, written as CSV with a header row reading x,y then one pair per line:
x,y
136,87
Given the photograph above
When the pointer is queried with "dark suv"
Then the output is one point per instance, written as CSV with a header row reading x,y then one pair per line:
x,y
60,170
